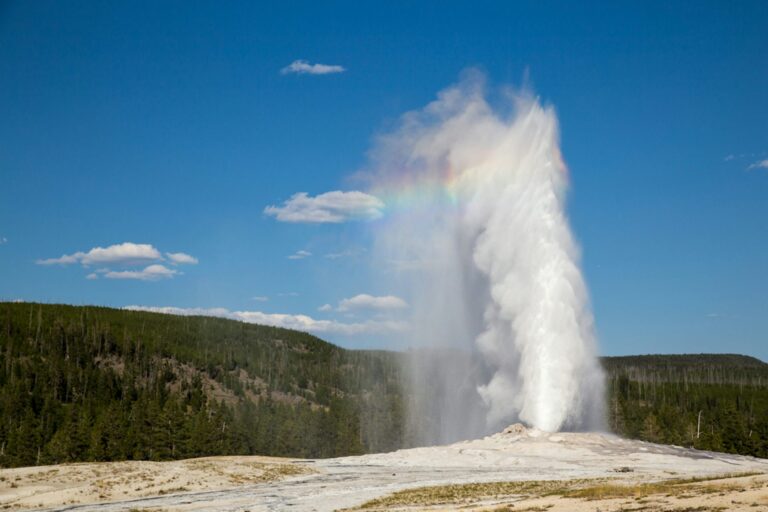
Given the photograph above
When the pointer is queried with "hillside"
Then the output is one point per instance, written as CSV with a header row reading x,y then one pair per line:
x,y
708,401
90,383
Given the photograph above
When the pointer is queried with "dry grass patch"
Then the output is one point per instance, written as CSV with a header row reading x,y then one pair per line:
x,y
458,494
586,489
678,487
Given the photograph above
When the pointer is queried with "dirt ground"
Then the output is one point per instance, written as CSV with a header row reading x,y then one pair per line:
x,y
72,484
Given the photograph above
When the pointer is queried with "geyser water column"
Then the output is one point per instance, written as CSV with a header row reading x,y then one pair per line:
x,y
477,228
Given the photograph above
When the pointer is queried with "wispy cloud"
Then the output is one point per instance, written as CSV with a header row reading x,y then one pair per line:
x,y
365,301
151,273
260,298
177,258
330,207
720,316
325,308
3,240
300,255
288,321
761,163
303,67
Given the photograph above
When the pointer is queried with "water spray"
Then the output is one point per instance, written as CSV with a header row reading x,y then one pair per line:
x,y
478,228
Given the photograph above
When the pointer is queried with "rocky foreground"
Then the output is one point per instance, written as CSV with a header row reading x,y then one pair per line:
x,y
517,469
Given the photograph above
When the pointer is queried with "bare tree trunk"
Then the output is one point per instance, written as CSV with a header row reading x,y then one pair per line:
x,y
698,426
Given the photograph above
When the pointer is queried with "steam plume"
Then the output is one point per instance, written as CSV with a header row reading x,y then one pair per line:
x,y
478,228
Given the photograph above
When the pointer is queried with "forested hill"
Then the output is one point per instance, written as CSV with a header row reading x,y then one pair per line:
x,y
709,401
90,383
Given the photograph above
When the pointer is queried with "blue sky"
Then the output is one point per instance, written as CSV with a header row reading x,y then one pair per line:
x,y
171,125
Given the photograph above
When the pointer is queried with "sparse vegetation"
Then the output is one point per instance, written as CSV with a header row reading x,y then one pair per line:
x,y
465,493
585,489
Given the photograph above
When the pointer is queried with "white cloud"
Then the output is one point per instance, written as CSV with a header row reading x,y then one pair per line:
x,y
260,298
761,164
3,240
297,322
299,255
181,258
365,301
336,206
126,253
150,273
302,67
325,307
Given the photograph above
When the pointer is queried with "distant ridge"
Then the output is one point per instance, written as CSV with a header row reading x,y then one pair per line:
x,y
730,360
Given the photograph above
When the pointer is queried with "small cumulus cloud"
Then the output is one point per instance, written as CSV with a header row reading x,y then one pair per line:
x,y
760,164
325,308
180,258
331,207
288,321
300,255
126,254
303,67
365,301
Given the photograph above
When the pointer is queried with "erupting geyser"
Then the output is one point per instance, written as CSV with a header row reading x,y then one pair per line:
x,y
478,228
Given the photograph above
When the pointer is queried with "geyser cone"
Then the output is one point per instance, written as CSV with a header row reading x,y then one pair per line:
x,y
477,227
